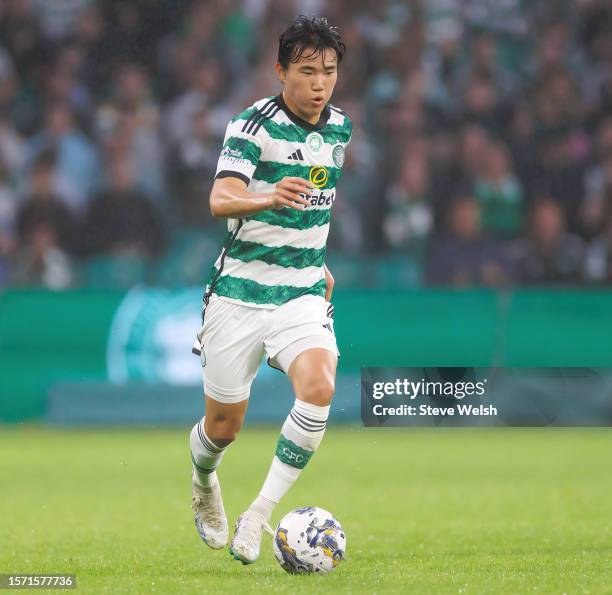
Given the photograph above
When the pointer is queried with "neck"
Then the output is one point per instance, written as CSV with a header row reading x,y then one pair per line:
x,y
313,119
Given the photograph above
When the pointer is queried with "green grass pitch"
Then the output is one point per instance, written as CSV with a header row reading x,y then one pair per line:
x,y
425,511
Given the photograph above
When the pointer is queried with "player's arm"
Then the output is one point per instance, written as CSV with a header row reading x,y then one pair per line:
x,y
237,163
229,197
329,284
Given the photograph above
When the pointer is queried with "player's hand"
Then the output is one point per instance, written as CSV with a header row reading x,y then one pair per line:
x,y
287,193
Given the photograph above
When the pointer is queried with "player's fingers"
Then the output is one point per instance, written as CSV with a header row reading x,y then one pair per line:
x,y
295,199
296,179
299,182
293,196
286,193
300,199
290,203
298,192
297,187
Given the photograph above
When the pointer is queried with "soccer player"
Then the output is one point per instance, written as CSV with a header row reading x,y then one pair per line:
x,y
269,290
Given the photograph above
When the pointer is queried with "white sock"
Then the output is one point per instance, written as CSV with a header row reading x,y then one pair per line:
x,y
300,436
205,456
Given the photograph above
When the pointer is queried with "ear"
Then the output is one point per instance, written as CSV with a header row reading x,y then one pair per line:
x,y
280,72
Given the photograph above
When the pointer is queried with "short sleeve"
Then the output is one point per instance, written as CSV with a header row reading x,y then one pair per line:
x,y
240,153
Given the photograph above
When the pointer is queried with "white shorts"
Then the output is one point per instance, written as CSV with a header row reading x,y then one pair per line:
x,y
234,339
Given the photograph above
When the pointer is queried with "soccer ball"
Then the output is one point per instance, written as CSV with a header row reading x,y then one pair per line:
x,y
309,540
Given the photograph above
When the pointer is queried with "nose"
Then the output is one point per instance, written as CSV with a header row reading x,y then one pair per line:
x,y
317,83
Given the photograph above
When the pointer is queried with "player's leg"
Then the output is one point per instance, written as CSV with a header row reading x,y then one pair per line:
x,y
312,374
311,366
208,441
231,351
212,435
300,342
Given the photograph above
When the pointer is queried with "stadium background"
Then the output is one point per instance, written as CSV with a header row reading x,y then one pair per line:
x,y
473,224
473,227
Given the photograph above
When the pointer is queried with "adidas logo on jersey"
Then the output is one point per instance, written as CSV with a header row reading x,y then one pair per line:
x,y
297,155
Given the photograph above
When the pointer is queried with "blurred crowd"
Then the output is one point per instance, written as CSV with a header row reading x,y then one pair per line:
x,y
481,153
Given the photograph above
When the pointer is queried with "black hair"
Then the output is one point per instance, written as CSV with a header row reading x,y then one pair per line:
x,y
305,33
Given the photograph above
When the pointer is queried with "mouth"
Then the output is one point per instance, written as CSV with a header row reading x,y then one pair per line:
x,y
318,100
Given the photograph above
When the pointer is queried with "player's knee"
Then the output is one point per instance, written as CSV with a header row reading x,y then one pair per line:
x,y
318,392
223,430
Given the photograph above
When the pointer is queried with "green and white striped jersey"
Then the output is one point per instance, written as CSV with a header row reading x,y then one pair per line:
x,y
275,256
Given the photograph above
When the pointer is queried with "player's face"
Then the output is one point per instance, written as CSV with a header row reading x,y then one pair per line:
x,y
309,83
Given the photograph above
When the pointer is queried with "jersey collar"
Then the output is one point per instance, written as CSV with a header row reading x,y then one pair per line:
x,y
299,121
